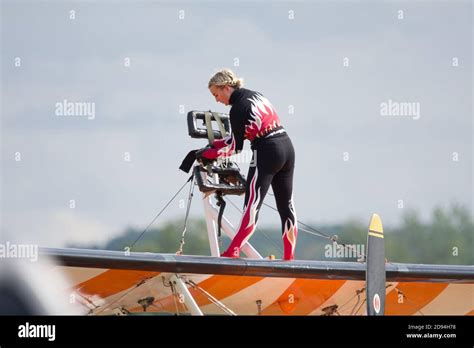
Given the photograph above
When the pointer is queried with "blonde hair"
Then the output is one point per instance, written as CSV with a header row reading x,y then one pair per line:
x,y
225,77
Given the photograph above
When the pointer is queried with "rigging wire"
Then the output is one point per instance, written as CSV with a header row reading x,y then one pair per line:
x,y
314,232
357,293
175,295
333,239
140,283
310,230
188,208
358,309
400,292
161,211
211,298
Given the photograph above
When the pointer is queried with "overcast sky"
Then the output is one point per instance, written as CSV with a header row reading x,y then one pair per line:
x,y
334,64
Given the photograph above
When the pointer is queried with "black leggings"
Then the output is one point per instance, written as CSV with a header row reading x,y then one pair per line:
x,y
273,164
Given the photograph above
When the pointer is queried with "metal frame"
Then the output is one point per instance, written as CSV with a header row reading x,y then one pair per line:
x,y
187,297
211,212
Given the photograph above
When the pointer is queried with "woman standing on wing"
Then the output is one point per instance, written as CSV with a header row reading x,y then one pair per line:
x,y
254,118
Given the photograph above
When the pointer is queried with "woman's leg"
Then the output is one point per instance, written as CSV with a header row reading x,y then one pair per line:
x,y
259,179
282,186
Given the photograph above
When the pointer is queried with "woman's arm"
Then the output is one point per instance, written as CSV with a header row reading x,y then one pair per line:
x,y
220,148
233,142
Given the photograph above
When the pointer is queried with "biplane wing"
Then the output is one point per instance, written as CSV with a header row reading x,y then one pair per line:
x,y
112,282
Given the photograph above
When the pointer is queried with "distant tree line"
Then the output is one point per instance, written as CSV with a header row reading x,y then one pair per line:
x,y
446,239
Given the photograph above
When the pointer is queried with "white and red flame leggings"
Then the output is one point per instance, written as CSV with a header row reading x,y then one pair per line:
x,y
273,164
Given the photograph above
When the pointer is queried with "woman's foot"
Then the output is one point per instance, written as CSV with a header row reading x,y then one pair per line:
x,y
234,254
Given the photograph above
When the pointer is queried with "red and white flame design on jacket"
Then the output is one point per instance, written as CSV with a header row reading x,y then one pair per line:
x,y
248,223
263,117
227,146
290,234
221,148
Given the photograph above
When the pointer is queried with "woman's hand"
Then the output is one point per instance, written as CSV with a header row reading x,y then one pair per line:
x,y
207,154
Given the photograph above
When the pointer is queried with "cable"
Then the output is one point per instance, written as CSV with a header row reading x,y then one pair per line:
x,y
211,298
161,211
410,301
140,283
188,207
314,232
173,291
349,300
358,292
358,309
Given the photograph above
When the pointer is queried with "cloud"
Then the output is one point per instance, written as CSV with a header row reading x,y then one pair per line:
x,y
56,228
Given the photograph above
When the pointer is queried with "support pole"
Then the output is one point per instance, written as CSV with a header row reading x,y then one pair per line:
x,y
188,298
